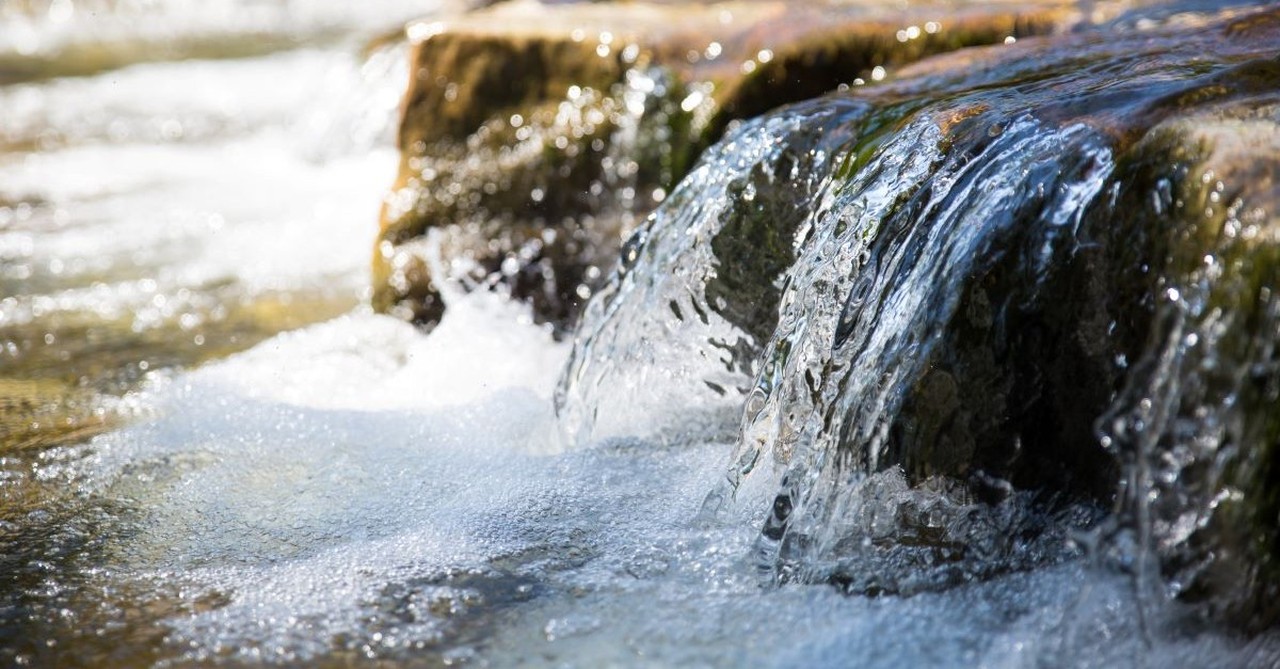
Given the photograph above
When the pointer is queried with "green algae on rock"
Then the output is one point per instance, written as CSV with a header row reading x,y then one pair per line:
x,y
534,137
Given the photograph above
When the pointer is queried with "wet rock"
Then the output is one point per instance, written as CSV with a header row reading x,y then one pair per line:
x,y
1196,424
1041,274
535,137
1131,357
1154,334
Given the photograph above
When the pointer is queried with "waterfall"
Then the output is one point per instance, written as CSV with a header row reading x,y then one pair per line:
x,y
922,299
654,343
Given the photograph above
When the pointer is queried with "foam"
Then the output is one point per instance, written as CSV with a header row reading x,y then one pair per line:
x,y
336,497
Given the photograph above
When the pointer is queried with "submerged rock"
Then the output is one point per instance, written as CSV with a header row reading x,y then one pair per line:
x,y
534,137
1037,280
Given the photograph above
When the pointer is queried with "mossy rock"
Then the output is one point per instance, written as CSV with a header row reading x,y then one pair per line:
x,y
1166,297
1210,482
551,203
1124,356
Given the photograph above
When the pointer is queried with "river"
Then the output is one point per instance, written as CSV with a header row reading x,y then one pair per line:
x,y
215,454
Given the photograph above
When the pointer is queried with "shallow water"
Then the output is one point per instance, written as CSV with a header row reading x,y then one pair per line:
x,y
354,492
314,500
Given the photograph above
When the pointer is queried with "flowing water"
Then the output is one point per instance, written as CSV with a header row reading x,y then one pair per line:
x,y
182,486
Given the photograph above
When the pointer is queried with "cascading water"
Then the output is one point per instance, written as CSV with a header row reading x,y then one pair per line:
x,y
854,234
912,238
864,342
940,351
654,334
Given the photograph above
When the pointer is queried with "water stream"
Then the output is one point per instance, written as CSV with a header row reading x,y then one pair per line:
x,y
214,454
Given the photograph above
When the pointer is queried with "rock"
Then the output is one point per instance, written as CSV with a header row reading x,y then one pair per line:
x,y
1037,280
534,137
1196,424
1173,276
1115,339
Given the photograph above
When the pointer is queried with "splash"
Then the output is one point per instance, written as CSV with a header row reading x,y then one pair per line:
x,y
928,335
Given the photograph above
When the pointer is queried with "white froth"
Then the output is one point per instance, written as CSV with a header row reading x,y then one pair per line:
x,y
362,361
326,510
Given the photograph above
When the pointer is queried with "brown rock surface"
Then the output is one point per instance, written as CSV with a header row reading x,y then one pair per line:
x,y
534,136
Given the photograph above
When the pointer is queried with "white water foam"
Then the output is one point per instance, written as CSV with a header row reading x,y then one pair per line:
x,y
361,488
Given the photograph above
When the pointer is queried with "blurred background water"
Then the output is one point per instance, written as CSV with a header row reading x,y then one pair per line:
x,y
179,180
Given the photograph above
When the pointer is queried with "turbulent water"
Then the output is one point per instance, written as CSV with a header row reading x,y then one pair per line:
x,y
358,493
